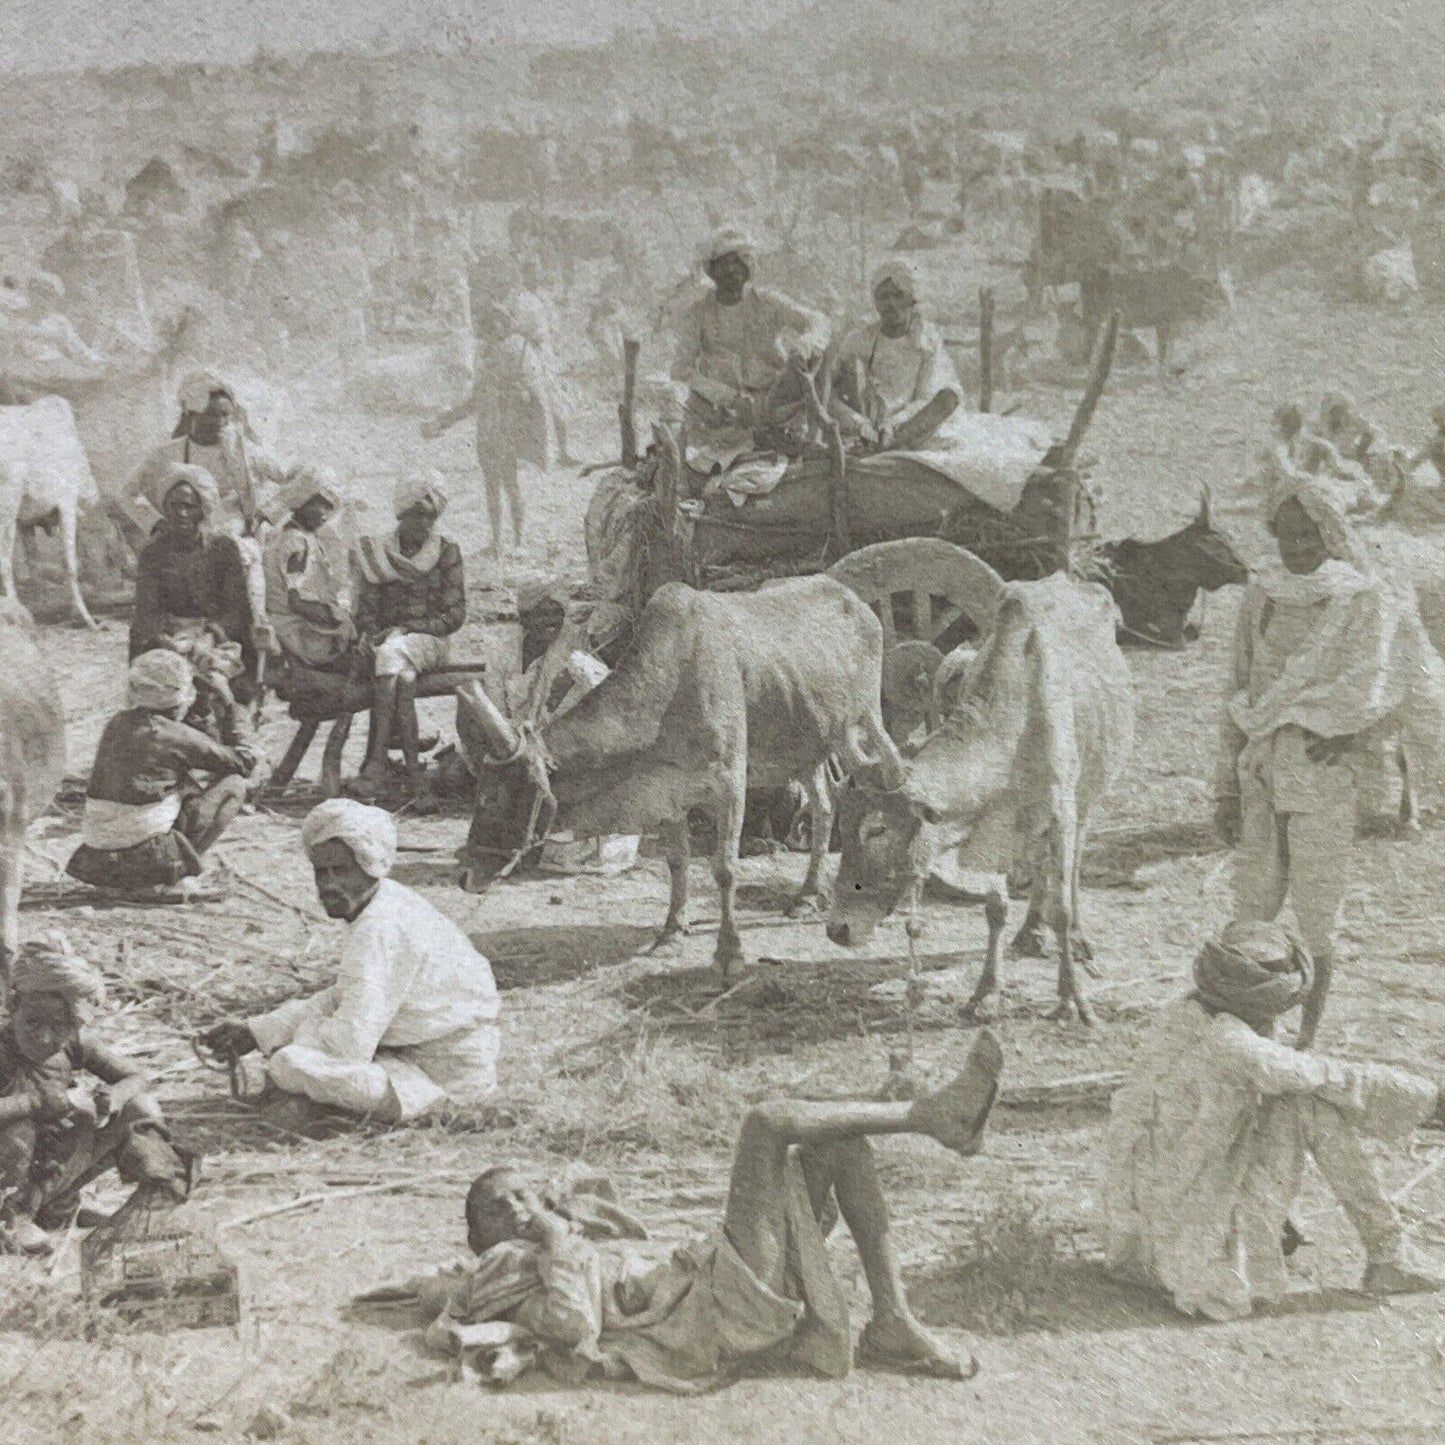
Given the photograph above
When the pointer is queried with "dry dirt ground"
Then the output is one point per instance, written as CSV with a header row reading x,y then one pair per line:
x,y
621,1062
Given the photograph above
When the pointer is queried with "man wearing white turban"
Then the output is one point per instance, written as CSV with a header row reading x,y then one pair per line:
x,y
1330,656
733,344
147,821
893,381
413,598
412,1017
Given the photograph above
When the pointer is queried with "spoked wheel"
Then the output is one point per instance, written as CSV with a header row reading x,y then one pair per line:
x,y
930,596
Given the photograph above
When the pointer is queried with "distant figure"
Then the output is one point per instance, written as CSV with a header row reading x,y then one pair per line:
x,y
511,400
147,821
55,1138
892,377
413,598
1328,656
412,1017
1209,1136
733,344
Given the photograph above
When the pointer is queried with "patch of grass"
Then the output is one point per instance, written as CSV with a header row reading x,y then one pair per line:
x,y
1011,1266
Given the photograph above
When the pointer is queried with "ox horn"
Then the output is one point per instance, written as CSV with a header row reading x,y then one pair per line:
x,y
483,731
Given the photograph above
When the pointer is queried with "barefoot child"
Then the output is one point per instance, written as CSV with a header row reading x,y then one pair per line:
x,y
54,1136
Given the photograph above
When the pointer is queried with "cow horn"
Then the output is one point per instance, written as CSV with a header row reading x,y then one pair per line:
x,y
483,732
1205,504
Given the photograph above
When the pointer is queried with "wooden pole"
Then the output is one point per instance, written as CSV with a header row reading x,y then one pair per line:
x,y
1103,360
626,413
985,349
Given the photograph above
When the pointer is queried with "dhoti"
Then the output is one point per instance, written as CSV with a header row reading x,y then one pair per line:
x,y
396,1084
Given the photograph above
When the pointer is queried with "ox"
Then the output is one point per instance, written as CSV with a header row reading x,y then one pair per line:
x,y
1156,584
1161,298
45,479
717,692
1037,727
32,759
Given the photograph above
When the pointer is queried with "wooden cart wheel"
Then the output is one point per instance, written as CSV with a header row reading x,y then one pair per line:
x,y
923,589
930,595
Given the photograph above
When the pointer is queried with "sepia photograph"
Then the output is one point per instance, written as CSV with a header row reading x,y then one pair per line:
x,y
722,726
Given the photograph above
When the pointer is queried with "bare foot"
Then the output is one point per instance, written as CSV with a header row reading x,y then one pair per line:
x,y
899,1342
956,1115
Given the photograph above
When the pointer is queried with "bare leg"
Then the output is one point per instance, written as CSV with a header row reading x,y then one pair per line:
x,y
406,727
513,490
820,800
995,910
955,1116
1314,1004
206,818
493,489
383,710
675,846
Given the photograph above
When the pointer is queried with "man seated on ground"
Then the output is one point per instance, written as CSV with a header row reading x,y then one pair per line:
x,y
733,344
305,584
893,382
147,822
1209,1135
189,577
55,1138
413,597
412,1017
759,1289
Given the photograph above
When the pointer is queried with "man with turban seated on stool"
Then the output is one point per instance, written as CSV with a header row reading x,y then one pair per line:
x,y
147,823
412,1017
413,599
55,1138
1209,1135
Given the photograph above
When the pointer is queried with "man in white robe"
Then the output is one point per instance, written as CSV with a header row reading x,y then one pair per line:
x,y
1209,1135
412,1017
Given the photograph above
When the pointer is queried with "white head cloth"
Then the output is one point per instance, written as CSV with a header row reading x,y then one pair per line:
x,y
160,681
368,832
307,482
194,393
899,273
425,488
730,241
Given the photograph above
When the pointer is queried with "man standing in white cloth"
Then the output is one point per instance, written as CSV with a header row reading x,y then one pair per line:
x,y
412,1017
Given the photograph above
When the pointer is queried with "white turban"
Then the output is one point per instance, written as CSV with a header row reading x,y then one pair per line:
x,y
161,681
48,965
426,488
307,482
899,273
730,241
196,387
368,832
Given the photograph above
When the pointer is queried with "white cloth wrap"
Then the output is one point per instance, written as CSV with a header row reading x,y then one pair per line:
x,y
410,654
114,826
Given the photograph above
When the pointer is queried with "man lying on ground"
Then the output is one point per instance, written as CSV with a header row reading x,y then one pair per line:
x,y
412,1017
759,1290
147,821
55,1138
1208,1139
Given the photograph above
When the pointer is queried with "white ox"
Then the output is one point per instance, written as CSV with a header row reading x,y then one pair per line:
x,y
45,480
32,759
1038,725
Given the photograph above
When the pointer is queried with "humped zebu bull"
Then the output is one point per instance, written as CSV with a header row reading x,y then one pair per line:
x,y
1036,727
45,481
32,759
717,693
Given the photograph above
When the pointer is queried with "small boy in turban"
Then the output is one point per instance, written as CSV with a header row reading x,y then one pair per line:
x,y
147,820
1209,1136
55,1136
412,1017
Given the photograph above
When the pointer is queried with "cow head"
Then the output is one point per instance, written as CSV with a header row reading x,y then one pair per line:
x,y
885,853
1206,556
